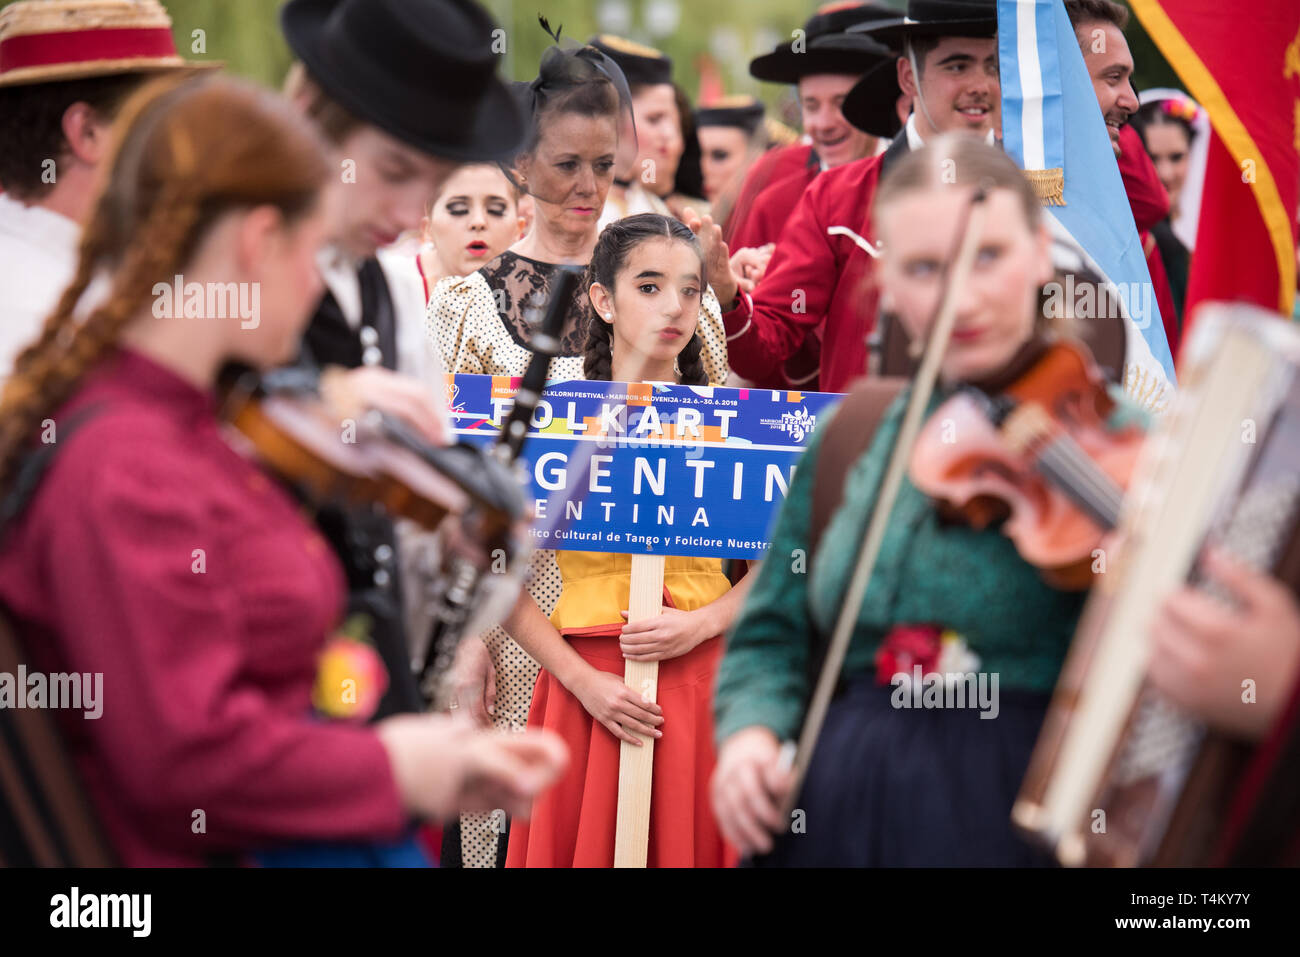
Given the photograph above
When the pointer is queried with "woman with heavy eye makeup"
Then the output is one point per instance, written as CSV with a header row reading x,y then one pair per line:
x,y
481,324
474,219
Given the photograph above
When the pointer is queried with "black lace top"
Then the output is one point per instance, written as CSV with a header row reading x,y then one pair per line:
x,y
522,288
482,322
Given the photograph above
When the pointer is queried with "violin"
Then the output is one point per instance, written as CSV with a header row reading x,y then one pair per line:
x,y
1036,453
988,454
375,460
280,420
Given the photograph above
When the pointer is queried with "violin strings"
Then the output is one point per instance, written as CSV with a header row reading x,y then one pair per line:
x,y
1088,470
1065,455
1065,461
1083,497
1067,452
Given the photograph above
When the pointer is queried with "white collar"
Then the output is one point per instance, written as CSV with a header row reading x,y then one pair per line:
x,y
38,226
340,275
914,141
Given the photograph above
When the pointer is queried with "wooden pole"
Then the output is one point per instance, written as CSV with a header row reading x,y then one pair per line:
x,y
636,764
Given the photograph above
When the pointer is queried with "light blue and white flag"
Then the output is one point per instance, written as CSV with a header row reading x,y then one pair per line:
x,y
1053,128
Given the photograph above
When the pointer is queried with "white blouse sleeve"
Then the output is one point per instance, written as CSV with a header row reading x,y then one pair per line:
x,y
713,336
461,308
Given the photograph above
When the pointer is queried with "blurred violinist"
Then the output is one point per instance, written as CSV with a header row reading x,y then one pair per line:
x,y
147,549
891,784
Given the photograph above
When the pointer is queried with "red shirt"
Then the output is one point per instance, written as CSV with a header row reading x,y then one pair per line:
x,y
770,168
769,210
1150,204
1146,196
762,222
818,272
155,554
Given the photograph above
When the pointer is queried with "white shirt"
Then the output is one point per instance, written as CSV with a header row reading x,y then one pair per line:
x,y
637,199
415,356
914,141
38,258
419,551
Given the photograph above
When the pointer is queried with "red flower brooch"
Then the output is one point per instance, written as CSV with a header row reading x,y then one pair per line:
x,y
931,647
351,677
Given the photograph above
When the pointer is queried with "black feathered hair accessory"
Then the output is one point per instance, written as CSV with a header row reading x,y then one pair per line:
x,y
565,65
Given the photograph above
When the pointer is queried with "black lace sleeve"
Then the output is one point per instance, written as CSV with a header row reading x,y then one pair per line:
x,y
522,288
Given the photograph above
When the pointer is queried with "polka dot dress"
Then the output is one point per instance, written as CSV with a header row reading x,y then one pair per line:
x,y
479,323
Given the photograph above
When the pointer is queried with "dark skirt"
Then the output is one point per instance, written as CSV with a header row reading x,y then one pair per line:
x,y
899,787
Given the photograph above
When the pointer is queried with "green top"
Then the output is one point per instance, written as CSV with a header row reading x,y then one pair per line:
x,y
928,571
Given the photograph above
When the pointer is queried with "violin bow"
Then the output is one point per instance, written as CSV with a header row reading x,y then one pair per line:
x,y
922,389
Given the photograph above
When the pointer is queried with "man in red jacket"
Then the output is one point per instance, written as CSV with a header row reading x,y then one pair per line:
x,y
821,269
824,64
823,71
821,266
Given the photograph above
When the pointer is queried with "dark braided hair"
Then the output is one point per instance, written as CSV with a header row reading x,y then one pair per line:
x,y
616,242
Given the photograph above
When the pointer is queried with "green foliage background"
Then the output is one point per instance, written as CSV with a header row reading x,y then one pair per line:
x,y
245,34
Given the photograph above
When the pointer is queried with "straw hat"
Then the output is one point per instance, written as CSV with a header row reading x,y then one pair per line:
x,y
44,41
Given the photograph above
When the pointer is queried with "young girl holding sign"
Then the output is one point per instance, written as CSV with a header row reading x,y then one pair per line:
x,y
645,283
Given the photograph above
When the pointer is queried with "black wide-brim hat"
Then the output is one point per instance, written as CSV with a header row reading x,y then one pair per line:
x,y
641,65
742,112
872,104
843,53
934,18
420,70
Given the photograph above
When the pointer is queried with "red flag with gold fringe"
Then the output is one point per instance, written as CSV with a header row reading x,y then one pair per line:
x,y
1242,64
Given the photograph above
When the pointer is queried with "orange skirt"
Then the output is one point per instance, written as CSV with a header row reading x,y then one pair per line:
x,y
573,823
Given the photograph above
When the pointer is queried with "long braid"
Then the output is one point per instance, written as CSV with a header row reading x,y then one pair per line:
x,y
48,371
690,363
598,355
598,359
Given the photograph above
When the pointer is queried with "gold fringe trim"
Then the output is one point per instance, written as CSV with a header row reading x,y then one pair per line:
x,y
778,133
1049,184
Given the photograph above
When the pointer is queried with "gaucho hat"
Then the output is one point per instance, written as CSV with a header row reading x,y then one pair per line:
x,y
423,71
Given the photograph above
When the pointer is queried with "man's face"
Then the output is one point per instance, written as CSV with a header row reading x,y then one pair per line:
x,y
959,85
384,187
1110,65
836,140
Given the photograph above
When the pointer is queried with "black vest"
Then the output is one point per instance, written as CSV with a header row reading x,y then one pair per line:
x,y
364,538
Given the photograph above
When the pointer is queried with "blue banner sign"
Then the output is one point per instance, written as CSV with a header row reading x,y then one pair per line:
x,y
647,468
